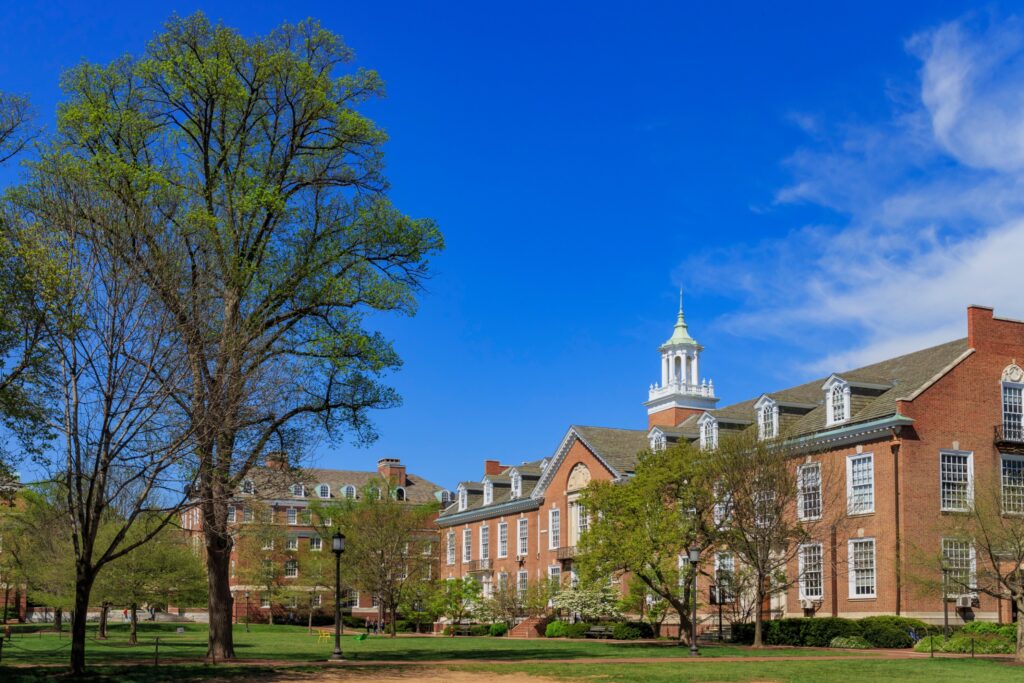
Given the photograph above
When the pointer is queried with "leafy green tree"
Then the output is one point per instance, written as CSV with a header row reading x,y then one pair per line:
x,y
457,599
316,577
420,601
589,600
640,601
646,525
260,221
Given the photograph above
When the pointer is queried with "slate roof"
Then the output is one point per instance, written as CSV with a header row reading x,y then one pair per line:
x,y
903,375
617,447
530,472
273,483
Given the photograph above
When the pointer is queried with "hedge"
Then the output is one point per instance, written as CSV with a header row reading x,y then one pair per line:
x,y
556,629
850,642
983,643
499,629
882,631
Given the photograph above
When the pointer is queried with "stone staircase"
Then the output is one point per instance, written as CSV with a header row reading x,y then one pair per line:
x,y
532,627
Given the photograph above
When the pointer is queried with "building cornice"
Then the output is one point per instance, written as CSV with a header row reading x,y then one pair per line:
x,y
851,434
489,512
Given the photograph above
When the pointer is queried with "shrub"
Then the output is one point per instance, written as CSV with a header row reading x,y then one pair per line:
x,y
556,629
886,635
785,631
742,633
480,630
927,643
821,631
851,642
626,632
1008,631
577,630
983,643
499,629
906,624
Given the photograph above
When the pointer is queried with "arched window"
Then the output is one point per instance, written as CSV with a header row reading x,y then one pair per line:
x,y
837,400
324,491
517,484
446,497
838,403
658,441
247,487
463,499
768,419
709,434
399,493
298,491
350,491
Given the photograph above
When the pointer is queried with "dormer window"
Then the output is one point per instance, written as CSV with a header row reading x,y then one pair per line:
x,y
298,491
463,498
248,487
517,484
324,491
837,400
708,432
399,494
350,491
657,440
488,493
767,418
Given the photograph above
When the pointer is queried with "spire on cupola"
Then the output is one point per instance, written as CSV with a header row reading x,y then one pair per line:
x,y
682,390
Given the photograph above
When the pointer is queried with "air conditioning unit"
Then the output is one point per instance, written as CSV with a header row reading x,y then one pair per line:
x,y
520,558
807,603
964,601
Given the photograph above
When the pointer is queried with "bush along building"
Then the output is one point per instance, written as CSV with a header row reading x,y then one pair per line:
x,y
282,566
891,452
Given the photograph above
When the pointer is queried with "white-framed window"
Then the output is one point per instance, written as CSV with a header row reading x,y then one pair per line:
x,y
502,580
554,528
708,432
523,582
860,483
961,569
765,514
399,493
555,576
268,544
293,601
324,491
298,490
837,401
725,578
861,559
524,537
722,511
293,516
767,419
658,442
292,543
350,491
291,569
811,566
1012,483
808,478
247,515
485,543
463,498
467,545
488,493
326,522
503,539
248,487
264,602
451,547
517,484
956,480
1013,412
231,514
305,516
316,543
582,519
317,599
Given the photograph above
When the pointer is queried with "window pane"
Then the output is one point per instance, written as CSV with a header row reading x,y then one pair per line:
x,y
1013,425
862,484
811,582
810,491
1013,484
954,477
959,566
862,563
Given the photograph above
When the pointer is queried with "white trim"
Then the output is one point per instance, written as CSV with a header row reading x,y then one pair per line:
x,y
485,549
707,420
502,552
830,385
801,580
851,578
970,479
766,404
451,550
849,483
554,528
1002,483
320,490
522,542
488,492
467,545
800,491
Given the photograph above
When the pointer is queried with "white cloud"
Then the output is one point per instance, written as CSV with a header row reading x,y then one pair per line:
x,y
933,207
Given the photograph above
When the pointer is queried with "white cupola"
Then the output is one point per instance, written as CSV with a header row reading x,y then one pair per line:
x,y
681,385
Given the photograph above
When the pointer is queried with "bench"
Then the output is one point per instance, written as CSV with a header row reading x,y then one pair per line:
x,y
598,632
461,630
323,634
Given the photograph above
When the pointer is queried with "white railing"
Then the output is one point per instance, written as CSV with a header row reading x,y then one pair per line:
x,y
704,389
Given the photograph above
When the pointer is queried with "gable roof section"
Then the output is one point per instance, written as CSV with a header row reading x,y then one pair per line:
x,y
905,376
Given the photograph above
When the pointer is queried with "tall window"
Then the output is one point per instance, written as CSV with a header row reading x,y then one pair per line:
x,y
960,566
298,490
523,583
955,480
291,569
725,578
555,576
485,543
247,514
809,491
350,492
467,545
811,578
231,513
1013,413
765,514
463,499
451,547
517,485
554,528
503,539
860,484
524,537
1013,484
767,427
861,553
709,434
488,493
723,506
315,543
324,491
292,543
502,581
583,519
838,412
293,516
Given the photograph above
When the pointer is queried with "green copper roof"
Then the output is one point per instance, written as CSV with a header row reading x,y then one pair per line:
x,y
680,334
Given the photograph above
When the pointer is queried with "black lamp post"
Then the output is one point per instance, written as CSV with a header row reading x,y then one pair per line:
x,y
337,547
945,601
694,559
246,611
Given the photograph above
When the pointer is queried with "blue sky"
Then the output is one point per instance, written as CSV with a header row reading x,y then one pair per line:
x,y
831,186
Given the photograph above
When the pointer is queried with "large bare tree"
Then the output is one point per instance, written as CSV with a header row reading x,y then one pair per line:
x,y
260,221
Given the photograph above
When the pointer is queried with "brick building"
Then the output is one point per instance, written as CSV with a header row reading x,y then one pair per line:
x,y
273,523
895,446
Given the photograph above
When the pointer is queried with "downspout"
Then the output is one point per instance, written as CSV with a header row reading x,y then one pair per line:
x,y
894,446
834,577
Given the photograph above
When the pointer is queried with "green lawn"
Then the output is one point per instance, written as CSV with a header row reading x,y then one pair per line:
x,y
304,656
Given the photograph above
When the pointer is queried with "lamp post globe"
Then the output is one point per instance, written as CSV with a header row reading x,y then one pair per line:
x,y
337,547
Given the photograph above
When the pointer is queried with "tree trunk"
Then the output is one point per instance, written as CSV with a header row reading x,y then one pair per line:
x,y
7,600
309,626
394,620
104,610
220,644
83,588
133,627
1020,629
58,619
759,615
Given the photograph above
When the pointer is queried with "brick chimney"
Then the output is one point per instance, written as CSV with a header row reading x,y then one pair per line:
x,y
979,319
492,467
392,469
277,460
